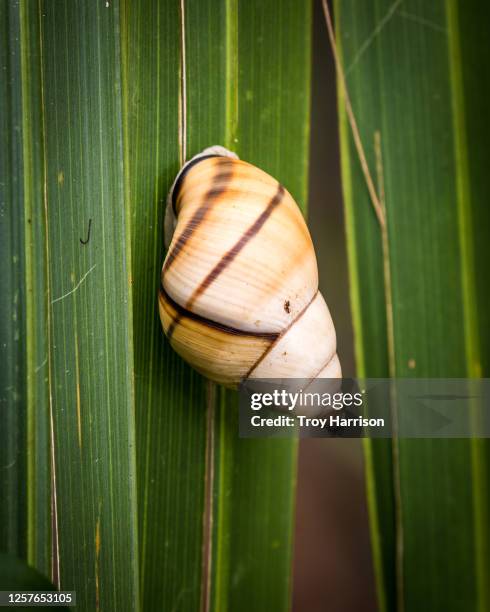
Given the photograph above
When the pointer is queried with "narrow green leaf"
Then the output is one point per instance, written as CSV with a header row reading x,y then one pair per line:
x,y
12,244
39,457
170,397
24,471
411,70
88,299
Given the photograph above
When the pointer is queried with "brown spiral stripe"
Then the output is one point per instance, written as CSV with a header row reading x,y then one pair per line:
x,y
184,313
230,255
218,188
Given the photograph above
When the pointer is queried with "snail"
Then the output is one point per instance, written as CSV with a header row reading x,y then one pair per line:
x,y
239,292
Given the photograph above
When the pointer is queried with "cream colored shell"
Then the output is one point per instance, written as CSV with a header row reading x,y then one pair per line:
x,y
239,286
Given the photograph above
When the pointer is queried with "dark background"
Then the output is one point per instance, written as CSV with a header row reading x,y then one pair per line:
x,y
332,559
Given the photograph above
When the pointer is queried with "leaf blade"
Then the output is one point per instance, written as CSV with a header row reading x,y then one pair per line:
x,y
401,76
91,352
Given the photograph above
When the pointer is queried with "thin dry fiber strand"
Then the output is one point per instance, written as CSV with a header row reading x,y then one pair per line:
x,y
378,202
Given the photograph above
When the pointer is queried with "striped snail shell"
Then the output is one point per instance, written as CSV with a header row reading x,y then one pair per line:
x,y
239,285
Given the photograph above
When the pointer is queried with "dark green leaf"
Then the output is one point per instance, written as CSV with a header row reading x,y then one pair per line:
x,y
413,72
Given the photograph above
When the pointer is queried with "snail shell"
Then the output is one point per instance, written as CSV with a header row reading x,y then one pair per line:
x,y
239,285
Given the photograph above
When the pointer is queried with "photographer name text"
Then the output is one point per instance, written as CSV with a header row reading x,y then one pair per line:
x,y
333,420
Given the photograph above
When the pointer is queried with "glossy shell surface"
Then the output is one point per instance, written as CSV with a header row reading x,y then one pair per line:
x,y
239,285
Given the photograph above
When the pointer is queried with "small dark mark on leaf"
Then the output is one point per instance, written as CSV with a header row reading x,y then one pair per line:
x,y
287,306
88,233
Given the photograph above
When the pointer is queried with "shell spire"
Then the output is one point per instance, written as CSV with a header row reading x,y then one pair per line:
x,y
239,285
